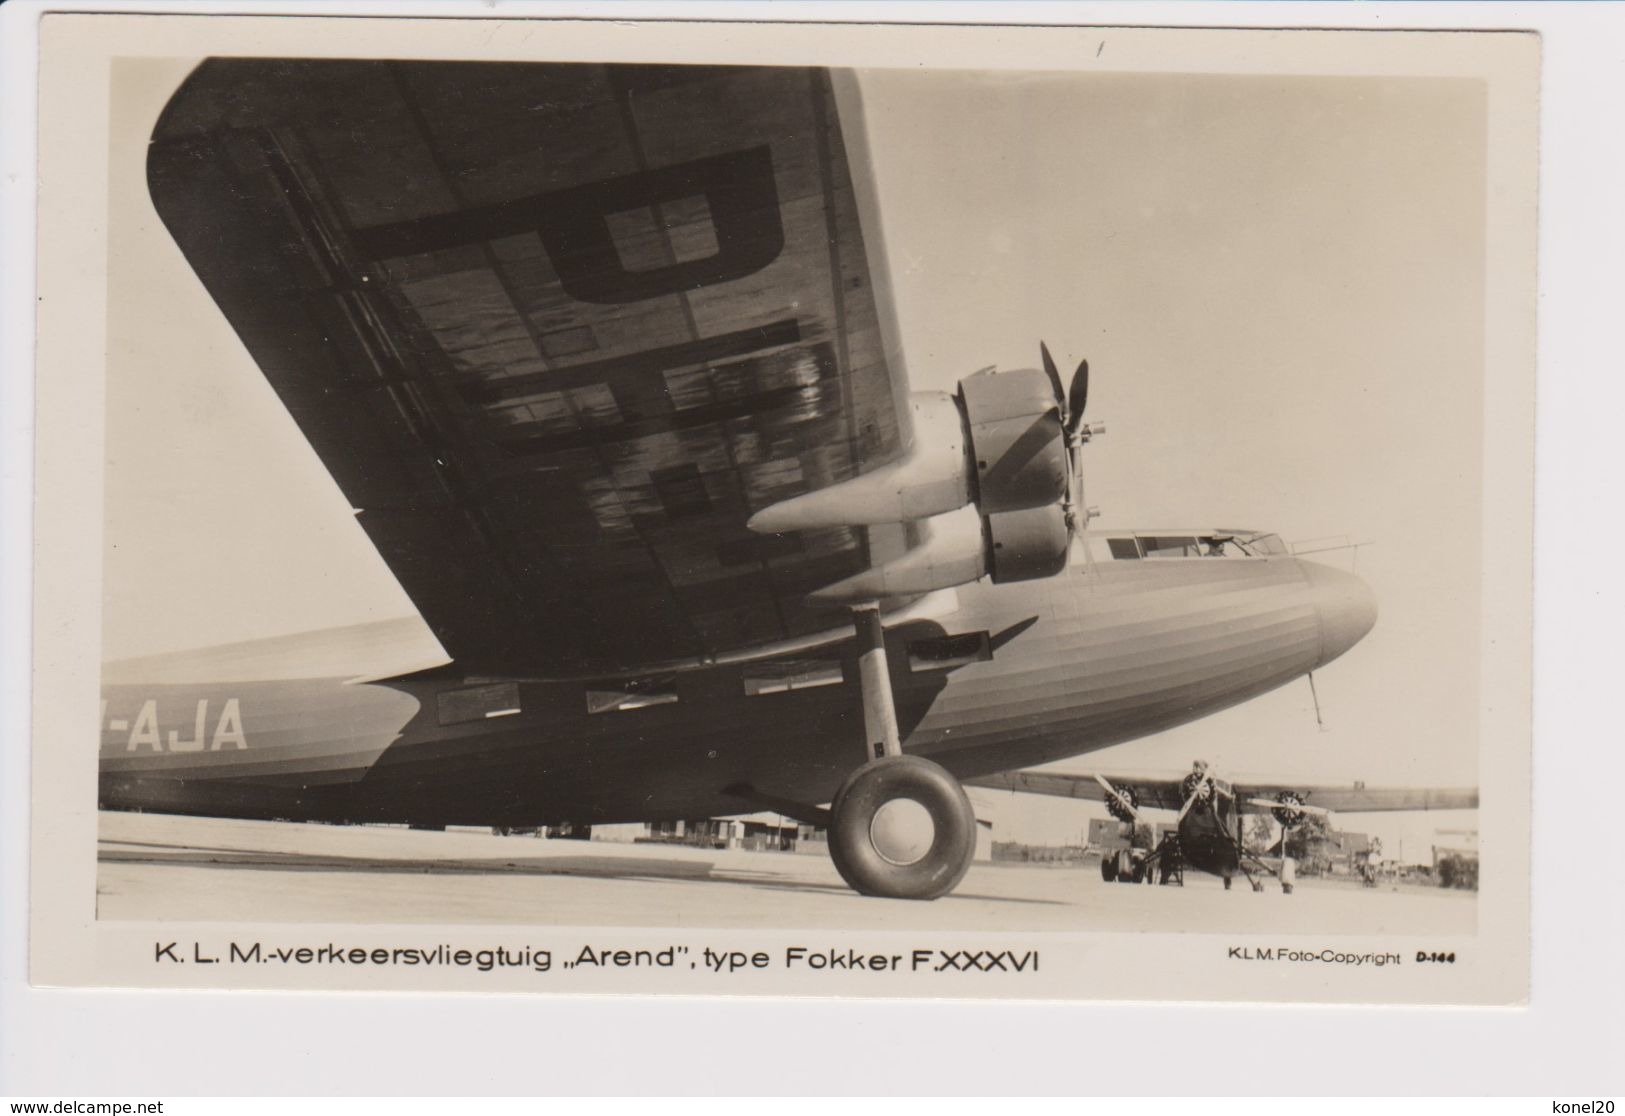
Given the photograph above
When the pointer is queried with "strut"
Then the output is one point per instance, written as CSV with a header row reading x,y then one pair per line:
x,y
879,711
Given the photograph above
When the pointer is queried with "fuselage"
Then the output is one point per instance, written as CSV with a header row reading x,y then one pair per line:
x,y
993,678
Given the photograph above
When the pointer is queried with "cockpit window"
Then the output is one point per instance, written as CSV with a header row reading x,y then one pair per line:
x,y
1219,544
1170,546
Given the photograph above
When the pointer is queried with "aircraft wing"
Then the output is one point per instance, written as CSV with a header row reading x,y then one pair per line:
x,y
1159,791
1149,791
556,331
1350,799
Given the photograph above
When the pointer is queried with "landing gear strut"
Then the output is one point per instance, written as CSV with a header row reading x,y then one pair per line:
x,y
901,826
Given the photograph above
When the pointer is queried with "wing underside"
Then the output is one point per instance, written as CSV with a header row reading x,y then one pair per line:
x,y
1161,792
556,330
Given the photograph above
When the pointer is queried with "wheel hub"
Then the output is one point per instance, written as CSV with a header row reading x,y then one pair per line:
x,y
902,831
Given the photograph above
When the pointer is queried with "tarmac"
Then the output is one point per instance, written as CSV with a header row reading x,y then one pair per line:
x,y
165,868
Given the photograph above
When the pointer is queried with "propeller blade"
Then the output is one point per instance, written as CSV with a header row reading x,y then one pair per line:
x,y
1078,397
1054,375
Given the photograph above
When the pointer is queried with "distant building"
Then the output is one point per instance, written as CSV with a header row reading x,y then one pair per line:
x,y
1107,834
1350,845
1459,843
1346,852
761,831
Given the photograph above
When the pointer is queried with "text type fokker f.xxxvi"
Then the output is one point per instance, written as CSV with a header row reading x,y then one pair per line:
x,y
601,359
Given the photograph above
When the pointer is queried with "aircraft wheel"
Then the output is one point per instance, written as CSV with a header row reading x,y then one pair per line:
x,y
1108,867
902,828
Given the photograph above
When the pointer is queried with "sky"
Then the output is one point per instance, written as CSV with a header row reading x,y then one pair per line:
x,y
1278,283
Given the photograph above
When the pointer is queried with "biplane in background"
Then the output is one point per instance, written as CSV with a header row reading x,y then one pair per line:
x,y
604,359
1209,812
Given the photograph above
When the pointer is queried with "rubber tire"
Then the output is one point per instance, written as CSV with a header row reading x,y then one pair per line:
x,y
866,790
1108,867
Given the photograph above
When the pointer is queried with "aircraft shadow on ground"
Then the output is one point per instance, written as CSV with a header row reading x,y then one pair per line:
x,y
842,889
601,867
594,867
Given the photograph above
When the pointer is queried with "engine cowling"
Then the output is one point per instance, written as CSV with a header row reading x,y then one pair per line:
x,y
1015,444
1026,544
1288,813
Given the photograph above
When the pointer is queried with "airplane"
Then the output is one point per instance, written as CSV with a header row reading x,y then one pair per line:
x,y
604,358
1210,809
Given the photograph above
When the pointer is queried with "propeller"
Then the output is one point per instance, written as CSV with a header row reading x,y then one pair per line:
x,y
1201,788
1120,798
1191,800
1071,402
1303,806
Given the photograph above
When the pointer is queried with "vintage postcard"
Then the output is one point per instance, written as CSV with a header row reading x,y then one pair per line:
x,y
728,509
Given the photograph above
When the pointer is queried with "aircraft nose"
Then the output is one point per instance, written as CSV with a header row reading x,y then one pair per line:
x,y
1346,606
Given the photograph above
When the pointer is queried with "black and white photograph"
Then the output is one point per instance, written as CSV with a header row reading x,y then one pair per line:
x,y
784,513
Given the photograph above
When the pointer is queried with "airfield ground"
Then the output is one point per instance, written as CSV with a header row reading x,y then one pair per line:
x,y
157,867
203,869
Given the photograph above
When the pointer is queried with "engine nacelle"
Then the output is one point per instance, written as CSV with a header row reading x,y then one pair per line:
x,y
998,443
960,547
986,476
1013,435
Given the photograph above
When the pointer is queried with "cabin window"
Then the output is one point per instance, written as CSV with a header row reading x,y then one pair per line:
x,y
477,703
1124,548
948,652
615,697
801,674
1170,546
